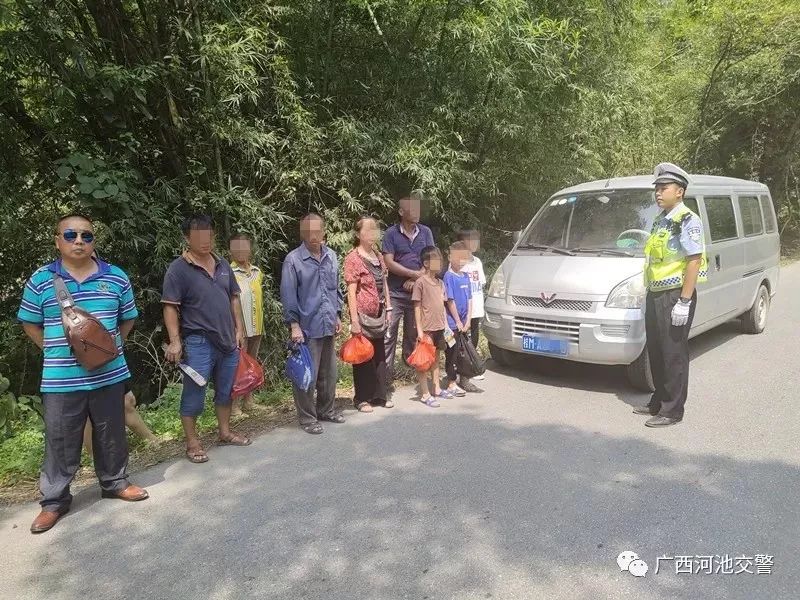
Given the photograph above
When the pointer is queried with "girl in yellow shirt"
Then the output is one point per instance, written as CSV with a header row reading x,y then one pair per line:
x,y
250,280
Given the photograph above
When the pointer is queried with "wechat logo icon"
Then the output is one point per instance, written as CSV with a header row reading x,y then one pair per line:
x,y
629,561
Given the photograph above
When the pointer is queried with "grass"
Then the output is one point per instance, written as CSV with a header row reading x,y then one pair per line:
x,y
21,454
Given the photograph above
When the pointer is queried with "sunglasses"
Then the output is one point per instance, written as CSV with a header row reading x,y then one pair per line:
x,y
70,235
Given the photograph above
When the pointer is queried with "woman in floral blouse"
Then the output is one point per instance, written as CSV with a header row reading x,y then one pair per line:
x,y
368,294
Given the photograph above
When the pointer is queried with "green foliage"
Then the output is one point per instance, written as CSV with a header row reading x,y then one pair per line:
x,y
13,408
21,455
143,112
163,416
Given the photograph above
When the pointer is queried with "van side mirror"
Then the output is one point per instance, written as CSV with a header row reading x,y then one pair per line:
x,y
515,236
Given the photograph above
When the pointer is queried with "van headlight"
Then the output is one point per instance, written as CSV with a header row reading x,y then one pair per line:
x,y
628,294
497,288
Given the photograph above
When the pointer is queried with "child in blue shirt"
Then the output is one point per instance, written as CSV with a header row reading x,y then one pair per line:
x,y
458,291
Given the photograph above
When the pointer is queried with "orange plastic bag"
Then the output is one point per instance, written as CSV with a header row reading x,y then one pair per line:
x,y
249,375
424,355
357,350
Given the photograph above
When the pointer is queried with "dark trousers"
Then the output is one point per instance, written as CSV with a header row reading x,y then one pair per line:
x,y
369,378
309,407
64,419
403,308
450,362
668,347
475,331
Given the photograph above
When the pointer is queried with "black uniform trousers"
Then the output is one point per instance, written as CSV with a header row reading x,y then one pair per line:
x,y
668,347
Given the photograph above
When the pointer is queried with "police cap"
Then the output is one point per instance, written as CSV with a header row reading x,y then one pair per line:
x,y
669,173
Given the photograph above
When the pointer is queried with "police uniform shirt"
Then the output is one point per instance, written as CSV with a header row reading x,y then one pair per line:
x,y
690,241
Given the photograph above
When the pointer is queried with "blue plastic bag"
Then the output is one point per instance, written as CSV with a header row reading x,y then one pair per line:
x,y
299,365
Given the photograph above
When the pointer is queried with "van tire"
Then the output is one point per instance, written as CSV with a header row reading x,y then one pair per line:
x,y
639,374
755,320
499,355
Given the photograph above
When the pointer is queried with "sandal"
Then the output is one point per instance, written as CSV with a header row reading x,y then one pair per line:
x,y
314,428
234,440
365,407
445,394
335,418
196,456
430,401
388,404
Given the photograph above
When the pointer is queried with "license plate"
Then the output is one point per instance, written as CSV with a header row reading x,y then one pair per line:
x,y
544,345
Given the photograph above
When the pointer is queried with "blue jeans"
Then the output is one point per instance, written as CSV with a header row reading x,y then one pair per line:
x,y
206,359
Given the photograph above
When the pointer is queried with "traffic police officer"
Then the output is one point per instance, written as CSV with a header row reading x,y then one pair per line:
x,y
676,262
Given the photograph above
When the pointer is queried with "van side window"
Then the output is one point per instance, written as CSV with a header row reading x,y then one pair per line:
x,y
751,215
769,214
721,218
691,204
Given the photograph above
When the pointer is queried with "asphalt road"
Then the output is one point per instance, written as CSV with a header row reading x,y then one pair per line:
x,y
529,490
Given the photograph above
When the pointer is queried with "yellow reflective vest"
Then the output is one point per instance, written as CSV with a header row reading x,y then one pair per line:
x,y
665,266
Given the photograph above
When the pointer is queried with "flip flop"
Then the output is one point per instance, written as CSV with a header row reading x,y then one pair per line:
x,y
313,428
235,440
196,456
336,418
430,401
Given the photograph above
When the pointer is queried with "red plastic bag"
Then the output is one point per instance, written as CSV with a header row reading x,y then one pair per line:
x,y
357,350
424,355
249,375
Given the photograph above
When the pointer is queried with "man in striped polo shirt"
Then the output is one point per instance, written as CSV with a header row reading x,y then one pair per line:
x,y
70,393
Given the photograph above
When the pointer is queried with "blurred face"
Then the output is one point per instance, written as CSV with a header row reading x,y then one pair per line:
x,y
201,241
410,210
458,258
312,232
241,251
370,232
668,195
75,239
473,242
434,263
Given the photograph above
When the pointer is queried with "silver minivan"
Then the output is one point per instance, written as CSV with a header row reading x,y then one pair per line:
x,y
573,287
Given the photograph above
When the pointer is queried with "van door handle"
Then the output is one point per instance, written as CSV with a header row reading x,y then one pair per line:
x,y
716,261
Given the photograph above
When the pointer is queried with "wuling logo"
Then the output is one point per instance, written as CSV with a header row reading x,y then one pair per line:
x,y
547,298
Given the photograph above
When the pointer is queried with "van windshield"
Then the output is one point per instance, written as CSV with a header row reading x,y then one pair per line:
x,y
612,223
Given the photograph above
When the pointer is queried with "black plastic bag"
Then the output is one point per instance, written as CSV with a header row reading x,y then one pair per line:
x,y
468,362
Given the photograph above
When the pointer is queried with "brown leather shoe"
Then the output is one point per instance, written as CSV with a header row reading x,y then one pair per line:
x,y
46,519
132,493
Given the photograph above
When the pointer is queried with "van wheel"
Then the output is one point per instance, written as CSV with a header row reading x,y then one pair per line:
x,y
499,355
639,374
755,319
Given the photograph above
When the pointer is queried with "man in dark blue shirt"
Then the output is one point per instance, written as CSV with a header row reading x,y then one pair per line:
x,y
402,245
312,307
202,316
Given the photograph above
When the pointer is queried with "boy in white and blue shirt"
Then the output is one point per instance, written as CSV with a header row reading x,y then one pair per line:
x,y
474,270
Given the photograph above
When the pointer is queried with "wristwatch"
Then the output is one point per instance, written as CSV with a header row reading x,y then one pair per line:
x,y
685,300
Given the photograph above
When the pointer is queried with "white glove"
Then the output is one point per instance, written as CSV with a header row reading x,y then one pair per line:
x,y
680,313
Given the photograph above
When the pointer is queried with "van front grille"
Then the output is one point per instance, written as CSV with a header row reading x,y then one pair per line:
x,y
562,329
558,304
